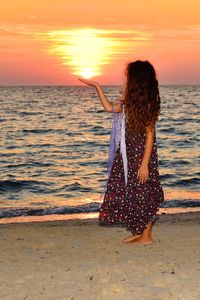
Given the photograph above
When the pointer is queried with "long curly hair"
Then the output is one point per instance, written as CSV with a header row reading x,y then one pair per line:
x,y
141,96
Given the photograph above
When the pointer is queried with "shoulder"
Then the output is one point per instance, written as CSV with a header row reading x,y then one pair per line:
x,y
117,105
119,100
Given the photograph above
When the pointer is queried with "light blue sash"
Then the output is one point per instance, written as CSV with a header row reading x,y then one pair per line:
x,y
118,136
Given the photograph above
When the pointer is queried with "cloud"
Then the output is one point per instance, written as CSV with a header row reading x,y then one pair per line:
x,y
32,17
184,33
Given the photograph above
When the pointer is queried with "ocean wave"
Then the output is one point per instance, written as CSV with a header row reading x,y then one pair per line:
x,y
188,182
18,185
85,208
38,131
77,187
89,207
29,113
32,164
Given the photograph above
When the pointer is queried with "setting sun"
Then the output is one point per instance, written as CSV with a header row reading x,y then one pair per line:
x,y
87,73
86,50
81,49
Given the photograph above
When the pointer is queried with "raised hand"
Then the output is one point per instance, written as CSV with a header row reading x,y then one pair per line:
x,y
89,82
104,101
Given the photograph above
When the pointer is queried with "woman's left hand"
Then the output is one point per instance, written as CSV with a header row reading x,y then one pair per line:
x,y
89,82
143,173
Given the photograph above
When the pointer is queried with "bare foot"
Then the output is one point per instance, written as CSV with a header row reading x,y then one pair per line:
x,y
140,240
131,237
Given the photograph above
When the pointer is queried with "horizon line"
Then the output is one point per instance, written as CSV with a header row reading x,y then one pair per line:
x,y
80,85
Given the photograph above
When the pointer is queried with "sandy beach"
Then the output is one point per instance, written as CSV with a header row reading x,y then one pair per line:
x,y
80,259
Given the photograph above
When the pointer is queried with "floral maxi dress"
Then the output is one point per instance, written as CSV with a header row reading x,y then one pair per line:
x,y
134,204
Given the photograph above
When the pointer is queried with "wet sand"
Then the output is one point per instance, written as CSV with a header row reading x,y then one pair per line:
x,y
80,259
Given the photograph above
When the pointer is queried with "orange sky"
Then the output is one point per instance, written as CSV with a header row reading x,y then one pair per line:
x,y
53,42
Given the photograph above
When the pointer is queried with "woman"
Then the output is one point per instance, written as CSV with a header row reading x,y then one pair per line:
x,y
134,192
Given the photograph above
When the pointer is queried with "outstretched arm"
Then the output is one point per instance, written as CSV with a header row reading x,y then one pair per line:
x,y
143,172
108,106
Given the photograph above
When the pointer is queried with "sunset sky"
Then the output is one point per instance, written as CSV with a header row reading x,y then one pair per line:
x,y
54,42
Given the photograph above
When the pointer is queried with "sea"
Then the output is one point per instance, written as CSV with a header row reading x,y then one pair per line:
x,y
54,150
